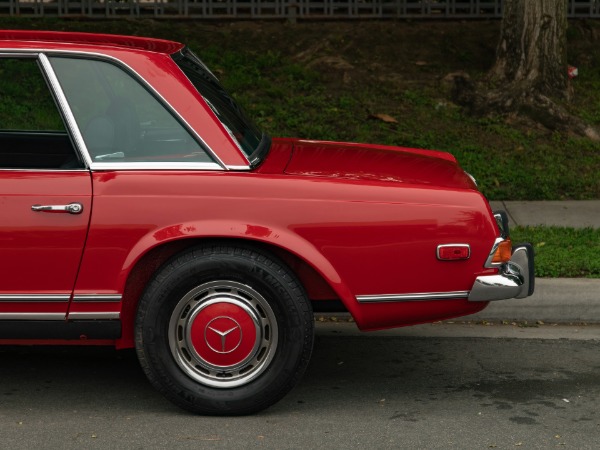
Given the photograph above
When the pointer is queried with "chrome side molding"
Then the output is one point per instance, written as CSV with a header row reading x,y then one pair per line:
x,y
415,297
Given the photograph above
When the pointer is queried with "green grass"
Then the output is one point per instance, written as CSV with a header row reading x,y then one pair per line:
x,y
562,252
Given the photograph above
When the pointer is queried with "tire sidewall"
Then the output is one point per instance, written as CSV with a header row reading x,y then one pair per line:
x,y
284,295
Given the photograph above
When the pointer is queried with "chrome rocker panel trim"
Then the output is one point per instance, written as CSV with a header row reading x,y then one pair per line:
x,y
515,279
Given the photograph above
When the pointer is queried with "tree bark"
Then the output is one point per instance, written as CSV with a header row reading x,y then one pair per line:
x,y
532,51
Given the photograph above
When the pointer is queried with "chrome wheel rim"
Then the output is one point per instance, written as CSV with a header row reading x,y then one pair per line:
x,y
223,334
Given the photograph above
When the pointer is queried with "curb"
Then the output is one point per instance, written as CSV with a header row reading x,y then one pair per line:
x,y
556,300
576,214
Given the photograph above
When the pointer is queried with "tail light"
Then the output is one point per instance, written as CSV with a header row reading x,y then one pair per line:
x,y
500,254
503,252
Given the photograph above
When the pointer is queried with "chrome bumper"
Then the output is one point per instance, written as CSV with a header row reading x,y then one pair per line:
x,y
516,278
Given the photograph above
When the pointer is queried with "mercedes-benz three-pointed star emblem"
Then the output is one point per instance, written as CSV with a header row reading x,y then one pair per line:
x,y
225,329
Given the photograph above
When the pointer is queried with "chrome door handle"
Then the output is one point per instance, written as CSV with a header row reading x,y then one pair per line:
x,y
71,208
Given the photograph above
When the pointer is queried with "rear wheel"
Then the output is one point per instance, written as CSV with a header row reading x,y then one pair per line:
x,y
224,330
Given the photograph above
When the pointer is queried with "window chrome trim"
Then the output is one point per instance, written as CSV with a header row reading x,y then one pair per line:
x,y
103,166
239,168
32,316
94,315
81,298
146,85
46,298
420,296
65,108
6,53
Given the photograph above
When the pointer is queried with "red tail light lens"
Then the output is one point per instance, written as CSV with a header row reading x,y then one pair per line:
x,y
453,252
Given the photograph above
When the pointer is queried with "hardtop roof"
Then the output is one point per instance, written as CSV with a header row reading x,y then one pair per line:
x,y
101,40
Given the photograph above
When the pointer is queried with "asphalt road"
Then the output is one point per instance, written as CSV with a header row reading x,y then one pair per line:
x,y
456,387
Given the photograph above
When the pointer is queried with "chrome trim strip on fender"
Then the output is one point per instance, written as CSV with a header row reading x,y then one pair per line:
x,y
97,298
421,296
94,316
54,298
32,316
17,169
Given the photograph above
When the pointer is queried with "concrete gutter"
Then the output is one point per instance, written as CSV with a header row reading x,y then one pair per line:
x,y
576,214
556,300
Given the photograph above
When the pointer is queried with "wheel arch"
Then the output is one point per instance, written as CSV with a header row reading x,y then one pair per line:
x,y
315,272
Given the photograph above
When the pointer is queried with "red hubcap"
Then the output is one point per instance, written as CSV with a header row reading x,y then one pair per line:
x,y
223,334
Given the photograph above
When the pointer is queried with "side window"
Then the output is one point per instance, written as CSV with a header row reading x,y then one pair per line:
x,y
119,119
32,132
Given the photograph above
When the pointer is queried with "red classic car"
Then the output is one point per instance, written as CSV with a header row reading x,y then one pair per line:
x,y
141,208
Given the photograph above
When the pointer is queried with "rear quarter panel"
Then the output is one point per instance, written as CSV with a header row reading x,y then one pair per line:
x,y
364,238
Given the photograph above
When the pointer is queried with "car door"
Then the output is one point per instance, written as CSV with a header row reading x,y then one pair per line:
x,y
45,200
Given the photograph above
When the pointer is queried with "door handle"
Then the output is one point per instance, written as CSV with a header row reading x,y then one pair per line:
x,y
71,208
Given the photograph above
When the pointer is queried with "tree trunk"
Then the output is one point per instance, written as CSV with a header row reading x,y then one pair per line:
x,y
529,78
532,51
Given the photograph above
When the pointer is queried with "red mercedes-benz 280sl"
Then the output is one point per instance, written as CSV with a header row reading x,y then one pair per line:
x,y
142,208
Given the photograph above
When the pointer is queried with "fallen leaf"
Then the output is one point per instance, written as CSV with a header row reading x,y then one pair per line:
x,y
384,118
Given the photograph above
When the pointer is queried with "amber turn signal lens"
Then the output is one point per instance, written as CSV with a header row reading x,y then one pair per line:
x,y
503,252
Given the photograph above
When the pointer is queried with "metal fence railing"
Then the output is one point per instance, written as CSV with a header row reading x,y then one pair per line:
x,y
275,9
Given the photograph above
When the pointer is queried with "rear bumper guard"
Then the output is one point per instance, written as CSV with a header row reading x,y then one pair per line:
x,y
516,278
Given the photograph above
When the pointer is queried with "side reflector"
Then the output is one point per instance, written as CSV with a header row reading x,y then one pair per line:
x,y
503,252
453,252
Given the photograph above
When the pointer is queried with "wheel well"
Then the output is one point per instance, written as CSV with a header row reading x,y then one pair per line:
x,y
317,288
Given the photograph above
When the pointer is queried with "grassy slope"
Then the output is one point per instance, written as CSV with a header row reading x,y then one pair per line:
x,y
327,80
